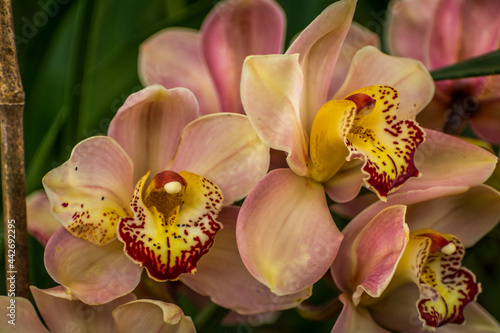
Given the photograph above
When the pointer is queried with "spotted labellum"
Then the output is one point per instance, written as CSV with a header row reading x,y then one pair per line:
x,y
173,224
445,287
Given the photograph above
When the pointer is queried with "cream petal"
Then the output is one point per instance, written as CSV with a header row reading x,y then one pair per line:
x,y
222,275
409,77
454,214
151,316
173,58
19,316
92,190
270,92
354,319
285,233
232,31
149,124
61,314
445,160
319,45
477,320
357,37
225,149
93,274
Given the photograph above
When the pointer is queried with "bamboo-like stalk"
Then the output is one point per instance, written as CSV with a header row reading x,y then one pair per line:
x,y
12,149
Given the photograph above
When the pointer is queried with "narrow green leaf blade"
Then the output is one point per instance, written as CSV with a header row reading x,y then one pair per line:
x,y
487,64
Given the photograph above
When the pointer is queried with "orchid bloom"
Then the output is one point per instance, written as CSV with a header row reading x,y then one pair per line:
x,y
167,224
286,99
399,269
208,62
443,33
96,274
61,313
364,133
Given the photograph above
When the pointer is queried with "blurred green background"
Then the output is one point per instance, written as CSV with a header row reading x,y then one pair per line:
x,y
78,61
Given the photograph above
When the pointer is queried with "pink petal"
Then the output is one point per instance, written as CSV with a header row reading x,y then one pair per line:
x,y
19,316
355,319
93,274
270,91
285,233
469,215
222,275
409,28
368,257
345,185
41,223
149,125
173,58
92,189
477,39
486,121
232,31
151,316
398,312
225,149
319,46
409,77
359,204
352,208
445,160
445,39
357,37
62,314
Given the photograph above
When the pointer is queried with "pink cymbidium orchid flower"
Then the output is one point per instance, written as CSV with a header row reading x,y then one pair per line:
x,y
208,62
364,133
443,33
232,156
399,270
62,313
168,226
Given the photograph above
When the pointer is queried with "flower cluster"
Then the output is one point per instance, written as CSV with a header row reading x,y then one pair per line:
x,y
228,171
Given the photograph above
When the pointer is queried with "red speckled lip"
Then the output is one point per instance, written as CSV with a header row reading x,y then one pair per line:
x,y
445,287
169,233
386,145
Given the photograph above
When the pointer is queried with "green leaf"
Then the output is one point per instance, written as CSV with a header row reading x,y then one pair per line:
x,y
487,64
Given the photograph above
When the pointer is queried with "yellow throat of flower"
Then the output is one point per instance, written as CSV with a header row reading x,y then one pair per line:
x,y
365,126
173,225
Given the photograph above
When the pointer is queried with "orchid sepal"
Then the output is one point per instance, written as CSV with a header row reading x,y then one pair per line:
x,y
89,195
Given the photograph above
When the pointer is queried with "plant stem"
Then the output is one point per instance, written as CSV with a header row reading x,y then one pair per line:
x,y
209,318
320,312
12,148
